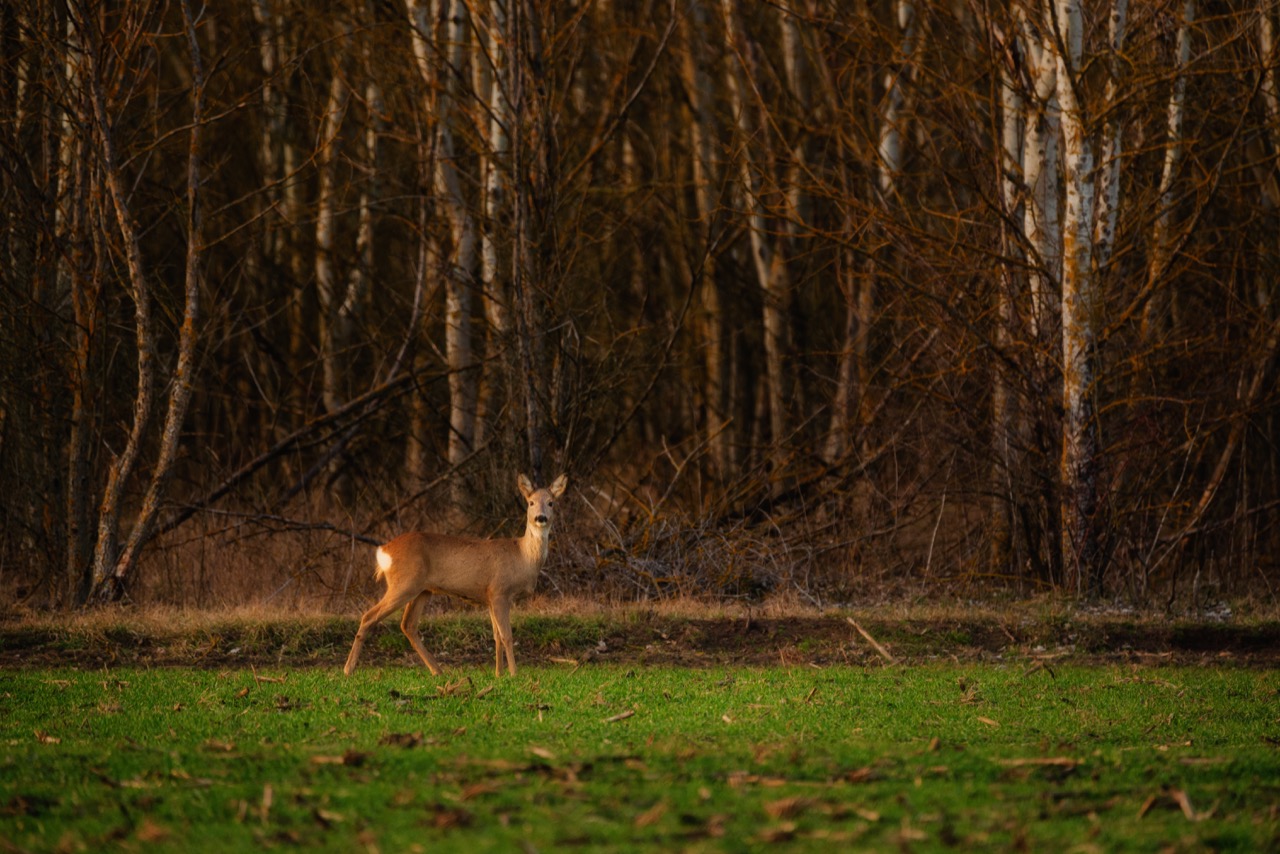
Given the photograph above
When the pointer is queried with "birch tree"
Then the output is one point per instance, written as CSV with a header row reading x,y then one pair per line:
x,y
1082,508
461,260
113,566
1005,417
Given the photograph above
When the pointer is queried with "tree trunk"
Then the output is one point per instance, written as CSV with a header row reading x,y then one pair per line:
x,y
1156,311
700,86
183,378
1081,447
1041,224
770,265
528,174
108,573
490,87
460,268
1005,418
331,343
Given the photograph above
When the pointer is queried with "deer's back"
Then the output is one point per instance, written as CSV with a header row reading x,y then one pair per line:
x,y
461,566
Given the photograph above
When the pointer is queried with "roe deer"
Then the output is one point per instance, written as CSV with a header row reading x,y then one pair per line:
x,y
492,572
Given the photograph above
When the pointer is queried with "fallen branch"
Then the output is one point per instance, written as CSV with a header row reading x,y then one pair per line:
x,y
874,643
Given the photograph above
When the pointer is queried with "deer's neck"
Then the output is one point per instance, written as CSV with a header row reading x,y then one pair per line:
x,y
533,545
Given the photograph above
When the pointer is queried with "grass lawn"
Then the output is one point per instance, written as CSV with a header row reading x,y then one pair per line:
x,y
931,756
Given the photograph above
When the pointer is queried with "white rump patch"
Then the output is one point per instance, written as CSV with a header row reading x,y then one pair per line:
x,y
384,561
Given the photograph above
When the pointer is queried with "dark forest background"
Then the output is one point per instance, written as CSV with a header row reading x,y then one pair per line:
x,y
826,299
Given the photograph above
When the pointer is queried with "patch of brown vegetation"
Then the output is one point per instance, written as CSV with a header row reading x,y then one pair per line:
x,y
686,634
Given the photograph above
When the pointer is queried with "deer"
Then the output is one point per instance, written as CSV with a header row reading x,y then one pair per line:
x,y
493,572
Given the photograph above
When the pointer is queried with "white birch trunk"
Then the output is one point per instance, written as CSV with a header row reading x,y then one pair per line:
x,y
1080,445
1108,194
1156,309
890,144
461,269
1041,224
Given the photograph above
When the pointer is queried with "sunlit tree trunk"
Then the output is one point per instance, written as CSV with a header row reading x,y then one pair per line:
x,y
1041,223
1081,446
461,261
1155,312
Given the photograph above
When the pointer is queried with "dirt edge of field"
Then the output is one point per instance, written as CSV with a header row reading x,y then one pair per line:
x,y
640,636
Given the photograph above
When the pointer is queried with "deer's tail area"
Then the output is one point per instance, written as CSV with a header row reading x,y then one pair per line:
x,y
384,563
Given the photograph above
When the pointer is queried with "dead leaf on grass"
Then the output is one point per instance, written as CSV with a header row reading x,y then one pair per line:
x,y
859,775
401,739
327,818
353,758
542,753
448,689
620,716
1184,803
908,833
788,807
149,831
1180,799
44,737
474,790
652,815
784,832
987,721
446,818
220,746
1058,761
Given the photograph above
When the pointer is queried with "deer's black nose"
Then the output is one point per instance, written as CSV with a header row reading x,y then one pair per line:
x,y
540,519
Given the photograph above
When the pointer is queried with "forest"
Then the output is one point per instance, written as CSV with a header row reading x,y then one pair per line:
x,y
830,299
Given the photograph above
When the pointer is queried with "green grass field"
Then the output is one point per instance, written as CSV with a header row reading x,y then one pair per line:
x,y
926,757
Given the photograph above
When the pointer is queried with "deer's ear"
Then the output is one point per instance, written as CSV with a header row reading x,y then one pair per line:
x,y
558,487
526,487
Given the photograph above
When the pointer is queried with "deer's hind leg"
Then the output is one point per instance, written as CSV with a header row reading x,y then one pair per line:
x,y
409,625
500,613
497,643
389,602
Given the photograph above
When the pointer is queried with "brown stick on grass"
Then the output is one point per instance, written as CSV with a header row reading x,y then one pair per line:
x,y
874,643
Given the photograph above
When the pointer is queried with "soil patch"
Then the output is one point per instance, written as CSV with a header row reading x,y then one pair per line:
x,y
641,637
